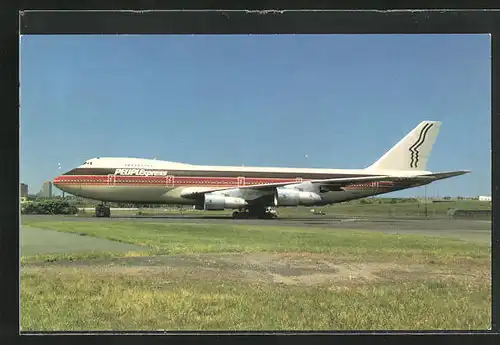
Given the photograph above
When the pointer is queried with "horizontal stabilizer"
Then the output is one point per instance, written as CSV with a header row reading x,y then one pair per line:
x,y
445,175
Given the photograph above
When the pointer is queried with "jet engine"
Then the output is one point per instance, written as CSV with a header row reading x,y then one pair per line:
x,y
221,202
293,197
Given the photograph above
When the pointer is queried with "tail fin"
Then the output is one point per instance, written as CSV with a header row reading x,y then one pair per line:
x,y
411,152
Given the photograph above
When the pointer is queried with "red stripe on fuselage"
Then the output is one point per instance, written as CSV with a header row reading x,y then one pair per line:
x,y
183,181
162,181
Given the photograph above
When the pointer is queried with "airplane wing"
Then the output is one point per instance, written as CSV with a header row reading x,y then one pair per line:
x,y
337,182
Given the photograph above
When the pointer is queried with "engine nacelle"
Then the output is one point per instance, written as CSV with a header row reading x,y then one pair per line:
x,y
220,202
293,197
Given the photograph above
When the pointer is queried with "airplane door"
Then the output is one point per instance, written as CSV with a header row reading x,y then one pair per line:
x,y
111,180
241,181
170,180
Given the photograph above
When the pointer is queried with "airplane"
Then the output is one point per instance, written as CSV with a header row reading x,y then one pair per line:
x,y
252,192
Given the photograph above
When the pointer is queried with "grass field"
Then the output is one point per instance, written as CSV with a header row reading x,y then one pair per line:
x,y
195,276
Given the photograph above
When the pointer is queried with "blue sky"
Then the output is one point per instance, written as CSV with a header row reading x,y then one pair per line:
x,y
326,101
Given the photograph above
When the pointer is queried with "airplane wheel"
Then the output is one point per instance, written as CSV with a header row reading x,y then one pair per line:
x,y
236,215
102,211
260,214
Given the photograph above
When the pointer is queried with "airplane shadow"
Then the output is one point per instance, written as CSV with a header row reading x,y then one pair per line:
x,y
202,217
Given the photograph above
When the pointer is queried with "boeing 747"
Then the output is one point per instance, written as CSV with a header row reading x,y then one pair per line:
x,y
252,191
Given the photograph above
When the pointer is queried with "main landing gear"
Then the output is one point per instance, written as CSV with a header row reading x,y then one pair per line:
x,y
102,211
255,213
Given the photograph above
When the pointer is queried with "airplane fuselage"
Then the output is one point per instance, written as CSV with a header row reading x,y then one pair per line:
x,y
134,180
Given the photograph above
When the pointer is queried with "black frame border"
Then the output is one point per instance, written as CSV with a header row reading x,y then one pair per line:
x,y
218,22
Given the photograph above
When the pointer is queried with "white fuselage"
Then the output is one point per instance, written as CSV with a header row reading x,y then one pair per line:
x,y
146,181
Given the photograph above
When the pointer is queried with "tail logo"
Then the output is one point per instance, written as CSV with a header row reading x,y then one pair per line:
x,y
414,148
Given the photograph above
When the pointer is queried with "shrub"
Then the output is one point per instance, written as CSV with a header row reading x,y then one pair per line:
x,y
49,207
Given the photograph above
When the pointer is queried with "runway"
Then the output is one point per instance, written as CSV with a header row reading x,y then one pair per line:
x,y
464,229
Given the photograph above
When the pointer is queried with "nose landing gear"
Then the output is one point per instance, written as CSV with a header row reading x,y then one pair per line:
x,y
102,211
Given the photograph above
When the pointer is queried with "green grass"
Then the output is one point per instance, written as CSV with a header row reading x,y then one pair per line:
x,y
450,289
79,300
91,255
182,238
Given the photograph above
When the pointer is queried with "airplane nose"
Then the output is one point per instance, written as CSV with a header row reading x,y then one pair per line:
x,y
56,181
66,184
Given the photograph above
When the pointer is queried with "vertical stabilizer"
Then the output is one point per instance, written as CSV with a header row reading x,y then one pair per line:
x,y
411,152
